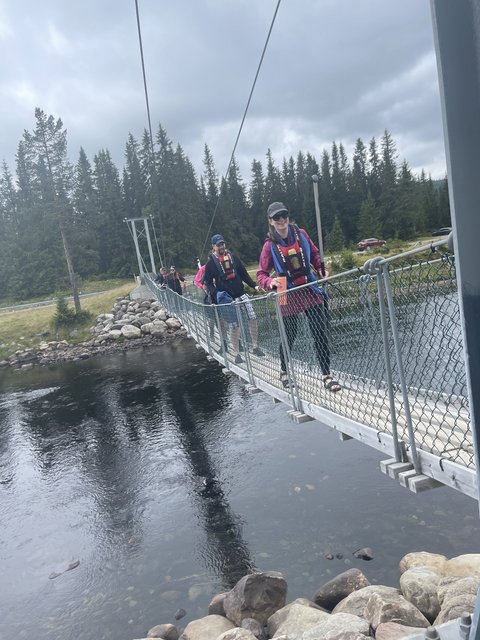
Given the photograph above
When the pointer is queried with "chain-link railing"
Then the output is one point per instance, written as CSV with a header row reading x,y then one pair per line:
x,y
389,334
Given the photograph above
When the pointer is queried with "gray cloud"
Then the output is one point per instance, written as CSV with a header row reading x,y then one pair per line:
x,y
334,70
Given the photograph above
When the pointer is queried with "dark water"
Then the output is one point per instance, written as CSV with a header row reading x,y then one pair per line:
x,y
167,481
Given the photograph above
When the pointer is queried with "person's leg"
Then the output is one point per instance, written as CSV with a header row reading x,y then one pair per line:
x,y
317,321
254,332
235,338
290,323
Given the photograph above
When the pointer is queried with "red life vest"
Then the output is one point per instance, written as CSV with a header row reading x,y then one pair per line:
x,y
293,259
226,265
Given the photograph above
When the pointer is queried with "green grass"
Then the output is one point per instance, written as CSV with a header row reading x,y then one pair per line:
x,y
86,286
28,327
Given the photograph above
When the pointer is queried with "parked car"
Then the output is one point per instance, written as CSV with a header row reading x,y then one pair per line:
x,y
444,231
370,242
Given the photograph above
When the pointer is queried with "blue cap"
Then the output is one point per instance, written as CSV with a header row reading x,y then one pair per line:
x,y
217,238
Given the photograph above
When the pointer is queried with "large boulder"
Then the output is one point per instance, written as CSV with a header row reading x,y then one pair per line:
x,y
395,631
237,634
433,561
257,596
129,331
393,608
456,596
216,604
173,323
164,631
338,626
356,602
206,628
419,586
161,314
335,590
294,619
466,565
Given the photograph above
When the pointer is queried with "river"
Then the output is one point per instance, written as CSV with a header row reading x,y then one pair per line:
x,y
167,481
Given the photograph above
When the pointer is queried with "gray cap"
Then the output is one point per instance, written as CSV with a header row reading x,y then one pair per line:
x,y
276,207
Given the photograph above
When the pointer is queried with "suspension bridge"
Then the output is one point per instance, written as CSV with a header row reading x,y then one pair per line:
x,y
398,331
394,333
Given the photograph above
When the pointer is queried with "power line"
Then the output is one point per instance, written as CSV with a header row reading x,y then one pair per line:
x,y
241,125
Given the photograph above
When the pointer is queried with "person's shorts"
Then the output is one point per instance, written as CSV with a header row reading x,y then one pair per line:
x,y
247,306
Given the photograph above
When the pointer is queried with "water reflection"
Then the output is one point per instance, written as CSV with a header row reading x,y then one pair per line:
x,y
226,552
168,482
88,423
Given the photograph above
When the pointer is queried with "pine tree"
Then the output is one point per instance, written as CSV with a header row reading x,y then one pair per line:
x,y
48,151
388,183
373,177
117,257
273,184
256,199
86,250
325,195
406,213
369,225
336,239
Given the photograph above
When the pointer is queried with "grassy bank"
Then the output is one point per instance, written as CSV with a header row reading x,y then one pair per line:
x,y
28,327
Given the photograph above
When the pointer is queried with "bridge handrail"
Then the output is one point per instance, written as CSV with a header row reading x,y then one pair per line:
x,y
395,342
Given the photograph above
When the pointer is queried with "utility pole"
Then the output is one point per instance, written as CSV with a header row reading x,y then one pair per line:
x,y
319,222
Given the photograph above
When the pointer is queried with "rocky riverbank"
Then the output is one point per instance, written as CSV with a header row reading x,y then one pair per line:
x,y
433,590
131,324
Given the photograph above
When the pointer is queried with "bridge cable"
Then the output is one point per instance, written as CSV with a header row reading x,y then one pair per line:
x,y
145,268
153,172
156,240
241,125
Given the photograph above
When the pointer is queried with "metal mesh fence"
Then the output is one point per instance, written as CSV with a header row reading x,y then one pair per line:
x,y
391,338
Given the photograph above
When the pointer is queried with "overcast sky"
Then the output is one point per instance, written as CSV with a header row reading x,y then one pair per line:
x,y
333,70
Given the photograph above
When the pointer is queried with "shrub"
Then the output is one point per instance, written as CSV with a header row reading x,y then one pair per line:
x,y
66,317
347,260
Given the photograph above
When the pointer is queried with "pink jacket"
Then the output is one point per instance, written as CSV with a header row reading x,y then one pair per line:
x,y
296,301
197,281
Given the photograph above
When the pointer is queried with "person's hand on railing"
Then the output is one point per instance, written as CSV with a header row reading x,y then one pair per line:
x,y
260,289
274,283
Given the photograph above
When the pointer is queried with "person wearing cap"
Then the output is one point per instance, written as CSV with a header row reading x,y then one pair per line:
x,y
224,277
290,252
173,280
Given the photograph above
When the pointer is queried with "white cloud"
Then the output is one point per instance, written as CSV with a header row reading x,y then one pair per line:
x,y
333,70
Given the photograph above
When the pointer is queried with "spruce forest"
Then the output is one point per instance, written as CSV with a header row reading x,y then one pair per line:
x,y
62,221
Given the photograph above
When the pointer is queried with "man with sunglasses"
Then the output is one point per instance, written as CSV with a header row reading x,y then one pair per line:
x,y
224,277
289,251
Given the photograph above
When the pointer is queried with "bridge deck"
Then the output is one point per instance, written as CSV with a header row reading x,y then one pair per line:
x,y
361,410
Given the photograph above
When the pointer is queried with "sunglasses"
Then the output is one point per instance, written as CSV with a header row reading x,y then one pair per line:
x,y
277,216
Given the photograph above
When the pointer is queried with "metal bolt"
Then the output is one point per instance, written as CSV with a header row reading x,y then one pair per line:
x,y
465,624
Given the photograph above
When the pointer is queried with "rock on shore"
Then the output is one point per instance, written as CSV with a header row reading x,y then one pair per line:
x,y
433,590
130,324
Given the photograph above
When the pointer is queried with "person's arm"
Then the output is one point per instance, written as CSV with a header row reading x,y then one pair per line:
x,y
265,267
208,278
243,273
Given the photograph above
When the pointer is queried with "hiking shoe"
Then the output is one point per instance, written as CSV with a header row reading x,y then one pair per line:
x,y
285,380
220,351
238,359
257,352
